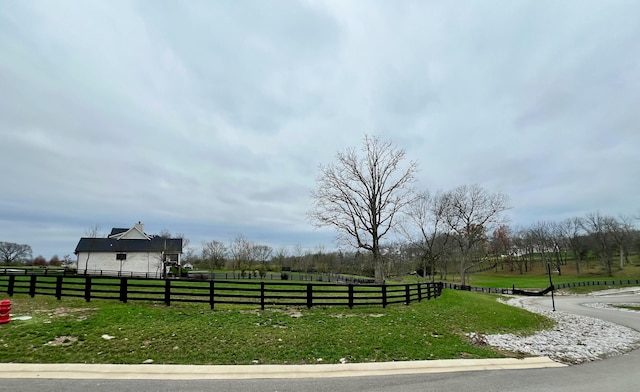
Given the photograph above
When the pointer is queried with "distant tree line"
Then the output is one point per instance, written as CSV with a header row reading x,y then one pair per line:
x,y
581,241
431,246
368,195
12,253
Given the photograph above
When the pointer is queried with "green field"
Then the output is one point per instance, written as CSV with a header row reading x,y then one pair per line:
x,y
71,331
538,277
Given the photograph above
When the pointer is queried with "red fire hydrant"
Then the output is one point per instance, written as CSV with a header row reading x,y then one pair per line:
x,y
5,307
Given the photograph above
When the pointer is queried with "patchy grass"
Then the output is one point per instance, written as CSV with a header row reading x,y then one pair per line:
x,y
630,307
538,278
73,331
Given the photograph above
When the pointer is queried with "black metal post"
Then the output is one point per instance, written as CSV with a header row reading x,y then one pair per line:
x,y
553,301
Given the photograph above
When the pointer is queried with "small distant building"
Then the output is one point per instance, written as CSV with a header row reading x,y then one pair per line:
x,y
128,250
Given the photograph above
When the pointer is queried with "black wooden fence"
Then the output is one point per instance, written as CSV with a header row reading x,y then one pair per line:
x,y
213,292
599,283
197,275
488,290
530,292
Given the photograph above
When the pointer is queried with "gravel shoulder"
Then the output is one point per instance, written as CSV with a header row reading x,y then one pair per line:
x,y
575,339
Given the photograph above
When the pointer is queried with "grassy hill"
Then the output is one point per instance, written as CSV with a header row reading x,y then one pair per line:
x,y
72,331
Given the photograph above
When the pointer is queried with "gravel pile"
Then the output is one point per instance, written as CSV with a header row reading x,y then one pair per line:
x,y
575,339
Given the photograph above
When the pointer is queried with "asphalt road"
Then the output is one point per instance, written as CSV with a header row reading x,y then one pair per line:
x,y
618,373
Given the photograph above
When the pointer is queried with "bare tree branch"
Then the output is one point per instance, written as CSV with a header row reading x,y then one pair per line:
x,y
10,252
359,195
472,212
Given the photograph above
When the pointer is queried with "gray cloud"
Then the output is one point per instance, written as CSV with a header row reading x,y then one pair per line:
x,y
211,118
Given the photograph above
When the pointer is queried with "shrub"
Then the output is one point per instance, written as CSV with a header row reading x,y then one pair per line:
x,y
259,269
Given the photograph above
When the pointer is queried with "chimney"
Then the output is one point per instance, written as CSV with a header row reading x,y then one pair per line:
x,y
139,226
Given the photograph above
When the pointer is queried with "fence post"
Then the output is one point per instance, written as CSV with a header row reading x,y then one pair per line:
x,y
59,287
262,295
32,286
384,295
167,292
12,282
212,286
407,294
419,292
430,287
87,288
123,290
350,296
309,296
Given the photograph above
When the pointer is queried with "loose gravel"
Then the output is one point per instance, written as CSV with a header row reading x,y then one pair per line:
x,y
574,339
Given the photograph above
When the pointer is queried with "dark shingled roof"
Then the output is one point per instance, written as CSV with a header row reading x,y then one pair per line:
x,y
156,244
117,230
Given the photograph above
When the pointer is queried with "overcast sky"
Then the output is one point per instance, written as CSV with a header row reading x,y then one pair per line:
x,y
210,118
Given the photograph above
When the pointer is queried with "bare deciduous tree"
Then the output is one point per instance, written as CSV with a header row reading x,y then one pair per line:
x,y
280,256
240,251
10,252
164,233
601,228
472,212
214,253
500,245
424,226
262,253
40,261
360,195
54,261
572,232
91,233
67,261
622,230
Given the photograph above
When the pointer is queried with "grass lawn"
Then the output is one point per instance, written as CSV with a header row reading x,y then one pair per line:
x,y
73,331
538,278
631,307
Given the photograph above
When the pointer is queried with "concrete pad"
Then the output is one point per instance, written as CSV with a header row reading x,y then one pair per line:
x,y
204,372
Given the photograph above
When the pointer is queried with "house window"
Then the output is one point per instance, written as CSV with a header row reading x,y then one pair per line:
x,y
121,256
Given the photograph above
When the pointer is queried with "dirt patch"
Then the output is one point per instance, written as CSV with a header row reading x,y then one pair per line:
x,y
340,315
293,312
62,341
80,314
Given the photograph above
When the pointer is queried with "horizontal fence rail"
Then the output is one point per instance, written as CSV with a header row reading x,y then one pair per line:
x,y
194,275
489,290
598,283
213,292
529,292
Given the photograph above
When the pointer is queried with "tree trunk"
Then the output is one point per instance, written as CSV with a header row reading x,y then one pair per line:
x,y
86,263
608,261
463,272
378,266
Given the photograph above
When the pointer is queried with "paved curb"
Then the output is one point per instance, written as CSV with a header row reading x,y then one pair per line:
x,y
203,372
